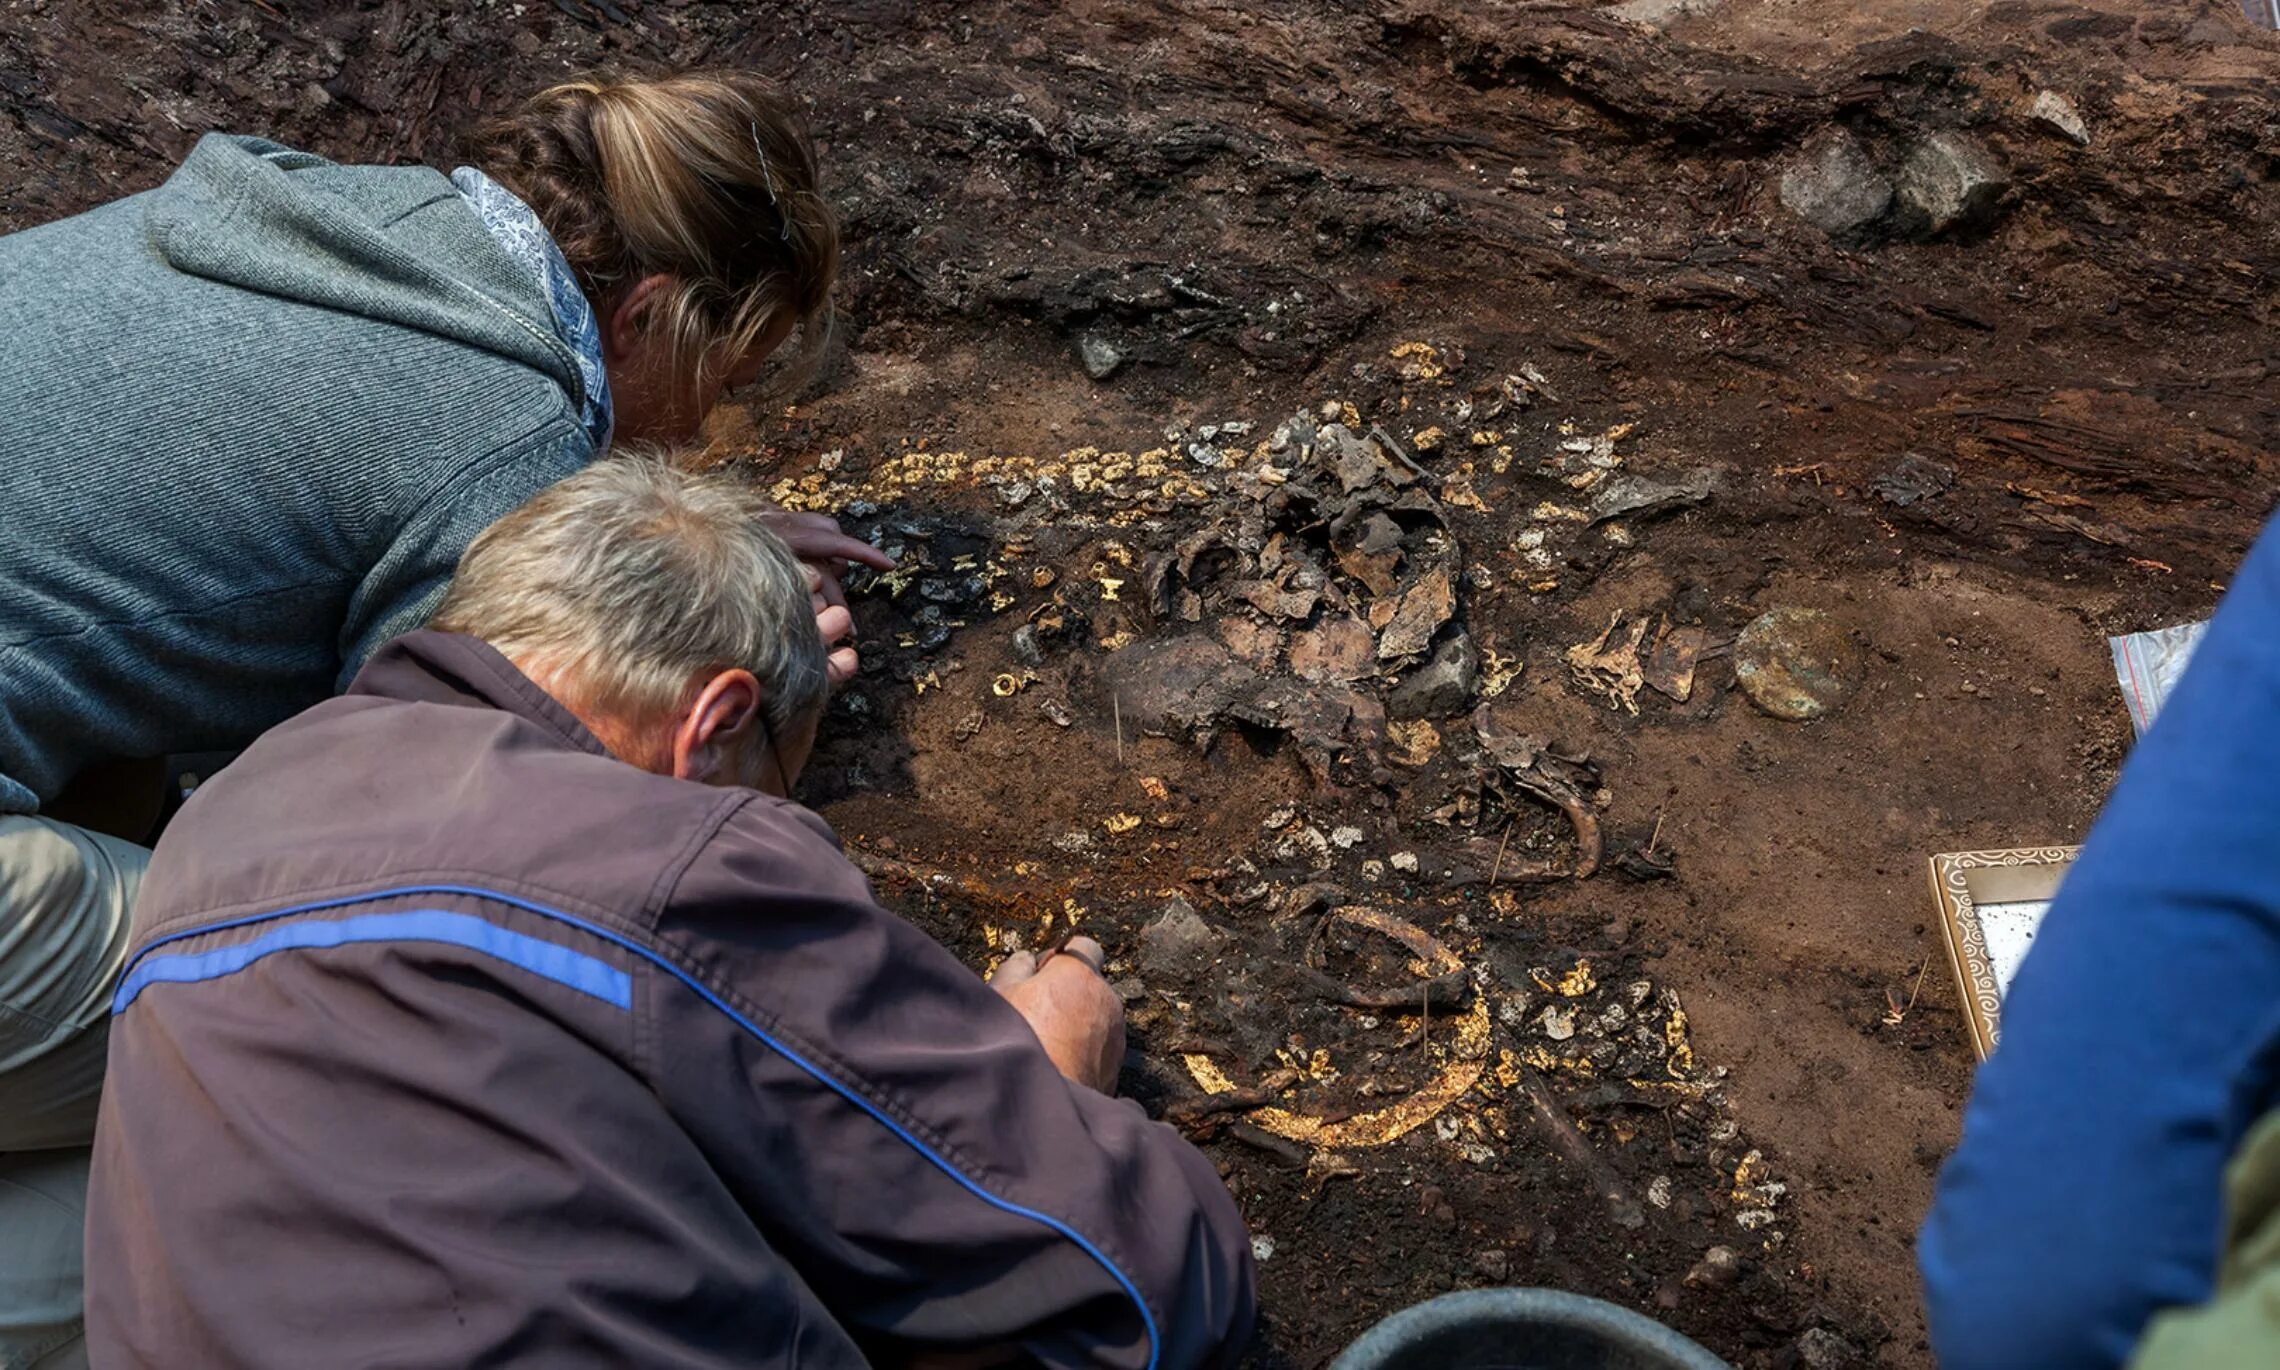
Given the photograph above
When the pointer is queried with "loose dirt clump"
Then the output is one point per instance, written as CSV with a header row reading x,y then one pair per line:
x,y
1333,450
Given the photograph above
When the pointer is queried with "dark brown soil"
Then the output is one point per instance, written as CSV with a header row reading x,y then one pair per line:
x,y
1258,207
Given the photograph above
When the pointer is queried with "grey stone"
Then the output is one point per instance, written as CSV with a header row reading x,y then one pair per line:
x,y
1026,648
1821,1349
1720,1266
1796,664
1443,686
1100,356
2058,114
1949,182
1660,13
1635,496
1178,943
1835,187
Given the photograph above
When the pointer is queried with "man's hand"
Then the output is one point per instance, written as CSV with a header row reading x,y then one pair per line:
x,y
816,540
1070,1008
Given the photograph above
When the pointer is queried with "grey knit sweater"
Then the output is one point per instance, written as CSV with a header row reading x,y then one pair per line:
x,y
248,422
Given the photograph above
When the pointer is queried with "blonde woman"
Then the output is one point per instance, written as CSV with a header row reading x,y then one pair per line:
x,y
248,422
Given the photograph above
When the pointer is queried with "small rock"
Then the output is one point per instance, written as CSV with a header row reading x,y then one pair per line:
x,y
1719,1267
1821,1349
1796,664
2057,113
1178,942
1558,1023
1344,838
1493,1265
1404,861
1914,479
1129,989
1440,688
1100,356
1658,1191
1835,187
1262,1248
1949,182
1026,649
1639,497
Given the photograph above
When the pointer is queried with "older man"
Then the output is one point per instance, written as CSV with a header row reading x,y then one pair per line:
x,y
505,1010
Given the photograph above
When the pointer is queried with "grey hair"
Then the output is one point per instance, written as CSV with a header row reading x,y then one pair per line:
x,y
632,580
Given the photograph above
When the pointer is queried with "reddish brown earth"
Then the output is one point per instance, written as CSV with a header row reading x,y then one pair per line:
x,y
1257,205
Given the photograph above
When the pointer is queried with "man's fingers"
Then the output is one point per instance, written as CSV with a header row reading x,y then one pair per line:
x,y
840,666
836,625
1086,950
1020,966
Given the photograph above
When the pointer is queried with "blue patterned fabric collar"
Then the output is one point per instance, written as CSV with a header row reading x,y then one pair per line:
x,y
525,239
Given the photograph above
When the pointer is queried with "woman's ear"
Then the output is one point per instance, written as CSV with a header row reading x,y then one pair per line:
x,y
717,729
626,331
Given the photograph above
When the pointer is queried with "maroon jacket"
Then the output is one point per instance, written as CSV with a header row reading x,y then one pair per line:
x,y
448,1040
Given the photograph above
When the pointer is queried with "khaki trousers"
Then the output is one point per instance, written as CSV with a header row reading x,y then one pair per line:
x,y
65,894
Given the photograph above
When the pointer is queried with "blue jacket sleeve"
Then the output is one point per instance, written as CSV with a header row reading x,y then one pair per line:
x,y
407,583
2138,1041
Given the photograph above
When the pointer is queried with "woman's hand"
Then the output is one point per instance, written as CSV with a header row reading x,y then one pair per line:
x,y
816,540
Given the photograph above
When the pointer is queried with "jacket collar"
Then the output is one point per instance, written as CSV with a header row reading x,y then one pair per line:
x,y
429,667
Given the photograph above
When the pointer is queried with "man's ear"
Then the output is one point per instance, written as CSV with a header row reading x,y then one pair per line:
x,y
630,318
716,728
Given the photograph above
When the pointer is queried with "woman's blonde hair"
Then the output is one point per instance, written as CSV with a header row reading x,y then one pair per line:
x,y
707,177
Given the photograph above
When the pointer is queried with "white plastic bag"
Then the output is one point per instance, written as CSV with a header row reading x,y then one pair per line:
x,y
2149,665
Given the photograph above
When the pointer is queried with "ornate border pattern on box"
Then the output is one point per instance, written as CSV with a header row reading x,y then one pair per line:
x,y
1966,943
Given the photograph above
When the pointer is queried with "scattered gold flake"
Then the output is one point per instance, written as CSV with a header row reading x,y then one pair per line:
x,y
1155,788
1041,576
1117,641
1548,512
1674,1035
1498,671
1621,431
1413,741
1006,685
1540,1057
1457,489
1573,985
1486,437
1121,822
929,681
1427,439
1419,361
1000,601
1466,1058
1109,585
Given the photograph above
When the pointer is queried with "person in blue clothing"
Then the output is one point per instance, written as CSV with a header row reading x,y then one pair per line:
x,y
2139,1039
249,420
